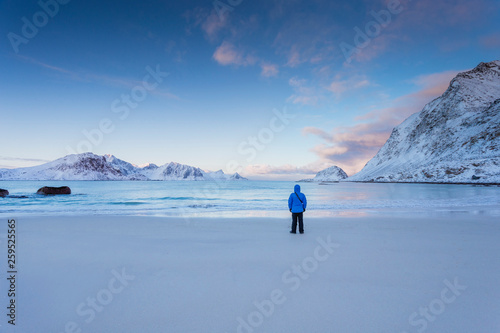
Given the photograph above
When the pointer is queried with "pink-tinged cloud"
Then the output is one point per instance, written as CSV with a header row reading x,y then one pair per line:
x,y
285,172
48,66
266,169
296,82
374,48
430,13
269,70
227,54
433,84
351,147
213,24
294,58
303,100
19,162
208,20
432,19
491,41
313,41
338,87
303,93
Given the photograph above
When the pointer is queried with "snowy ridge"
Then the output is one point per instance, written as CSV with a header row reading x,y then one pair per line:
x,y
220,175
454,139
331,174
174,171
88,166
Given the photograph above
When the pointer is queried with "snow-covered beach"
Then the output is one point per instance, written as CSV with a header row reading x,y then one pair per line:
x,y
159,274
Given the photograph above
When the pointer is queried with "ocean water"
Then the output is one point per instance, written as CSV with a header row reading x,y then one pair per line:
x,y
246,198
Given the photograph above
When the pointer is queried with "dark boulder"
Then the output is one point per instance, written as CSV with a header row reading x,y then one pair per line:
x,y
54,190
3,193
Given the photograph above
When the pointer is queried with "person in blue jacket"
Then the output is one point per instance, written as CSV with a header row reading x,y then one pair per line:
x,y
297,204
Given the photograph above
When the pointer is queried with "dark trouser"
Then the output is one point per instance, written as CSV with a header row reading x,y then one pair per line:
x,y
294,222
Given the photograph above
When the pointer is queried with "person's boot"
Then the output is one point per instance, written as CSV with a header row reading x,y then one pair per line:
x,y
293,232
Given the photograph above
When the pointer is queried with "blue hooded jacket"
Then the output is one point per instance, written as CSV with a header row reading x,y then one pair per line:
x,y
294,203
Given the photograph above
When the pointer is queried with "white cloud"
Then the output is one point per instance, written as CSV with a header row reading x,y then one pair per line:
x,y
339,86
227,54
269,70
303,94
284,172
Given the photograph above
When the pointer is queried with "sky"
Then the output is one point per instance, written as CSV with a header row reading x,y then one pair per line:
x,y
273,89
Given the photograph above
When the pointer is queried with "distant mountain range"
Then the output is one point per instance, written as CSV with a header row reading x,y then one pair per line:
x,y
89,166
454,139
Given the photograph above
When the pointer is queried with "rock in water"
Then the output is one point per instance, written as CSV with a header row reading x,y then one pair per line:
x,y
3,193
54,190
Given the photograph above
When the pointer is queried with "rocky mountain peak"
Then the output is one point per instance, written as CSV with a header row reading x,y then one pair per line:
x,y
331,174
455,138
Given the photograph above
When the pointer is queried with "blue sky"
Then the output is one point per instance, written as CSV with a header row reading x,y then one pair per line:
x,y
273,89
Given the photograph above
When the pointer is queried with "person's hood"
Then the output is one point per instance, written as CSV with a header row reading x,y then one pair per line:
x,y
297,188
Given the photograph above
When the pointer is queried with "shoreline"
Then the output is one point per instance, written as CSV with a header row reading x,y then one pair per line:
x,y
486,210
386,182
250,180
431,183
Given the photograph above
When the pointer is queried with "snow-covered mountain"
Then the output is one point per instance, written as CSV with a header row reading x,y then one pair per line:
x,y
85,166
88,166
174,171
331,174
126,169
455,138
236,176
